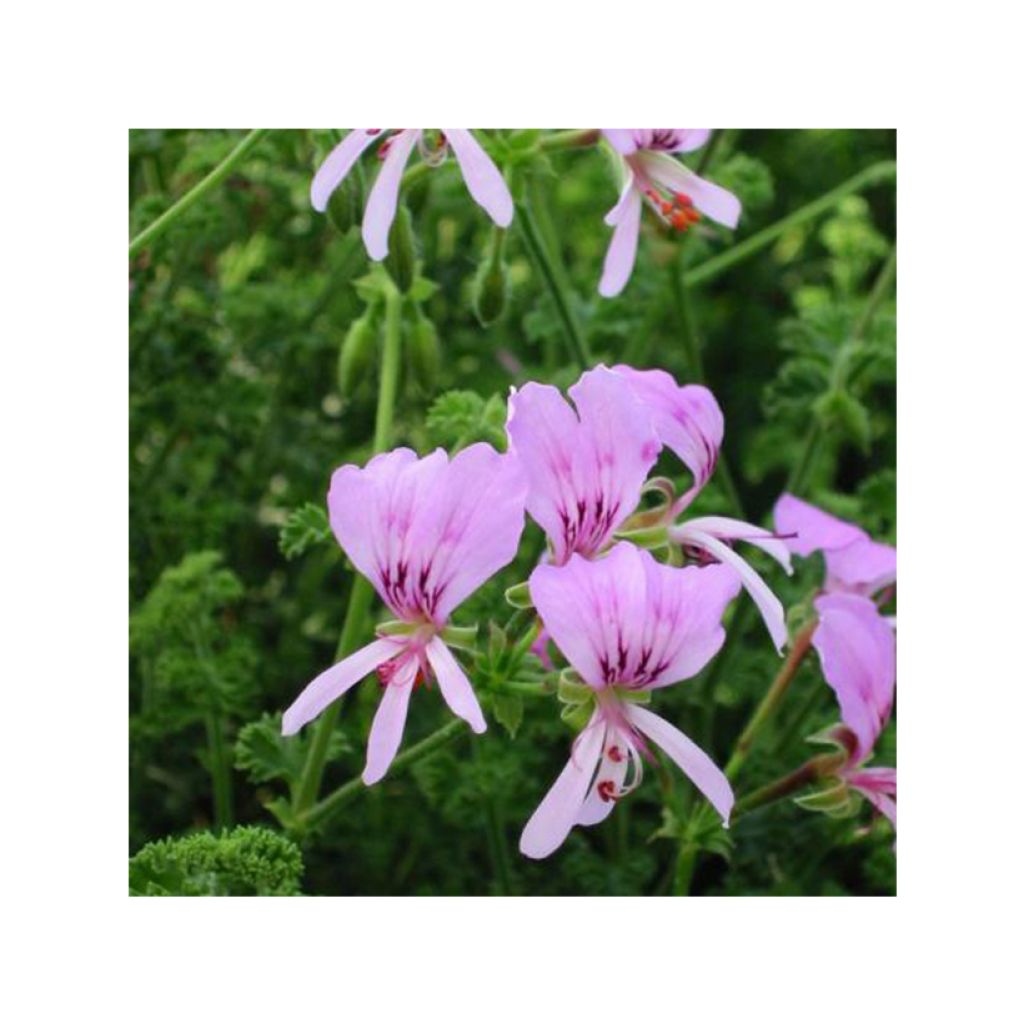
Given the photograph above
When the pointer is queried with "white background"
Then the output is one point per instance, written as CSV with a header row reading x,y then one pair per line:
x,y
75,79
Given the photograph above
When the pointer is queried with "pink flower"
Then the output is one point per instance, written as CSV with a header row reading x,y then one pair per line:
x,y
689,422
672,191
427,533
855,642
483,179
627,625
585,467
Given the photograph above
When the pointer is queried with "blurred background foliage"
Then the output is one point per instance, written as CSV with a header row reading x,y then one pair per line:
x,y
242,404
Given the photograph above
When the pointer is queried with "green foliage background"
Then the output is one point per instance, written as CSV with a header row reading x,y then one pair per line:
x,y
237,316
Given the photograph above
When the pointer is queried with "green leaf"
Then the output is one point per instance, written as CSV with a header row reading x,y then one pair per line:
x,y
848,414
304,528
508,710
247,861
264,754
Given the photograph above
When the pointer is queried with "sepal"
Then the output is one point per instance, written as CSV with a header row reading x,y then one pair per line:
x,y
519,595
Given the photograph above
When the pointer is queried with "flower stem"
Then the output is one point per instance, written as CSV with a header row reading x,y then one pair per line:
x,y
876,174
497,840
190,198
772,698
810,771
570,138
559,293
330,805
362,592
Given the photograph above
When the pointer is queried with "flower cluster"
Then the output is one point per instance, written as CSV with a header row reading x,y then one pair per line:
x,y
650,175
429,531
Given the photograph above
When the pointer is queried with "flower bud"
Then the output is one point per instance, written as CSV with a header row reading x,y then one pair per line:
x,y
355,356
424,352
346,203
401,258
490,288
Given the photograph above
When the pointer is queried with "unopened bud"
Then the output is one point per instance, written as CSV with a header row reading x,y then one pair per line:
x,y
424,351
490,288
355,356
344,208
401,258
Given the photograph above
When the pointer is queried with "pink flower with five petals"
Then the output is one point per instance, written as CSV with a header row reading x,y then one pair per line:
x,y
426,532
675,194
483,179
628,625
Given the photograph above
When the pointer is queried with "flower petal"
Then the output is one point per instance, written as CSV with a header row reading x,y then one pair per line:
x,y
331,684
622,140
857,648
767,603
735,529
687,419
455,687
483,179
553,820
338,163
712,200
811,529
695,764
585,473
621,255
383,200
389,723
595,808
865,565
878,786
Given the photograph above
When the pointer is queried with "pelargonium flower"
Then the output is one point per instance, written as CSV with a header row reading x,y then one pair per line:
x,y
689,421
483,179
855,642
628,625
585,467
426,532
672,191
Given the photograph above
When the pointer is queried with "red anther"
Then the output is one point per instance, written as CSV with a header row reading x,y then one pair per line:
x,y
683,199
606,790
667,208
680,221
615,754
692,215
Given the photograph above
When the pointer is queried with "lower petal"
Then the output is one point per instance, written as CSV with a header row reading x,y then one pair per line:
x,y
483,179
383,201
767,603
455,687
618,263
712,200
695,764
330,685
736,529
332,172
554,818
389,723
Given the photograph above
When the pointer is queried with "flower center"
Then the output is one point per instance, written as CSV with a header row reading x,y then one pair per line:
x,y
675,209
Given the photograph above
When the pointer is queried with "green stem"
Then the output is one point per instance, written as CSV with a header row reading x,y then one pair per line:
x,y
362,591
220,771
330,805
497,840
809,772
563,303
772,698
876,174
570,138
190,198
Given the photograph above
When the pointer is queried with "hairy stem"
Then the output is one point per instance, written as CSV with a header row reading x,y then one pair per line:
x,y
809,772
876,174
330,805
190,198
559,293
362,591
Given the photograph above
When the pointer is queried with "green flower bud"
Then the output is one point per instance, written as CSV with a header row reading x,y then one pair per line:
x,y
344,208
424,351
355,357
401,258
490,288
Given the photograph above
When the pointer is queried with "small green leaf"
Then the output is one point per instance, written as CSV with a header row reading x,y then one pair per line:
x,y
304,528
264,754
508,710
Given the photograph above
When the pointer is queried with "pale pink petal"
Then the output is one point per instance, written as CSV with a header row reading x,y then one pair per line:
x,y
331,684
383,201
585,473
592,609
767,603
712,200
621,255
389,723
339,162
807,529
695,764
735,529
857,648
622,140
483,179
689,139
687,420
554,818
865,565
680,629
878,786
455,687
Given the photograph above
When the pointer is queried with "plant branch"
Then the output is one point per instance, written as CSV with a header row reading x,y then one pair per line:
x,y
190,198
